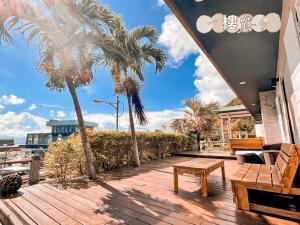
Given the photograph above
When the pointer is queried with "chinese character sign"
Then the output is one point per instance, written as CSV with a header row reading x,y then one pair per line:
x,y
239,24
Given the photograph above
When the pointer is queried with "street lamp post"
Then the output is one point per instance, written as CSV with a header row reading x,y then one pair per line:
x,y
116,106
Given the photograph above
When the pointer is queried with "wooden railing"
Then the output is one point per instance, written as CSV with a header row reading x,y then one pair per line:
x,y
34,169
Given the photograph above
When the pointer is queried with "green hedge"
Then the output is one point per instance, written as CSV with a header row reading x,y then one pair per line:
x,y
65,159
113,149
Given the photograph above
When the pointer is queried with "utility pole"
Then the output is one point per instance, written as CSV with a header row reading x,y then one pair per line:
x,y
117,113
116,106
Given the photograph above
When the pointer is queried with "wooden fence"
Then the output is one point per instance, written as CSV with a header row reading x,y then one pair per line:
x,y
33,169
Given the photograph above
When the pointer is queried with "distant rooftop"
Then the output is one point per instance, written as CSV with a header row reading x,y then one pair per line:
x,y
51,123
228,109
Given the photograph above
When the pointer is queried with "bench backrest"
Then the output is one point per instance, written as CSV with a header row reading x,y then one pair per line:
x,y
287,164
246,143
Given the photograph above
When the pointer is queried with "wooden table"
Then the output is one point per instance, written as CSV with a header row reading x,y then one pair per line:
x,y
200,168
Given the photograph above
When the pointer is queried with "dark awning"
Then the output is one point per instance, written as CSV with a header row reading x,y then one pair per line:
x,y
249,57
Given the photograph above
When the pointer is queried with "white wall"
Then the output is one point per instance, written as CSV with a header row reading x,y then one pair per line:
x,y
270,117
291,78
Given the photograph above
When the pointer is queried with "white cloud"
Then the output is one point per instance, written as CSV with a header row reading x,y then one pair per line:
x,y
16,126
160,2
156,120
180,45
52,112
178,42
212,87
60,114
51,106
32,107
89,90
6,100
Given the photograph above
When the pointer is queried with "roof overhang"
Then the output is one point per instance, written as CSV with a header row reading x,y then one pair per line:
x,y
239,57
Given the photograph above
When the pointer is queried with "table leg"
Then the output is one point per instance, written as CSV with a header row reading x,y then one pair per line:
x,y
175,180
223,172
204,184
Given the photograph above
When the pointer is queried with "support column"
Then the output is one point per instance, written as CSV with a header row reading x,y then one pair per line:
x,y
229,126
222,133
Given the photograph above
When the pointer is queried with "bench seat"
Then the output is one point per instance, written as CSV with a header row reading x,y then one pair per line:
x,y
244,144
276,178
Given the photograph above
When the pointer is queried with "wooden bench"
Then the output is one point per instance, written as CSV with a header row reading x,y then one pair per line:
x,y
243,144
276,178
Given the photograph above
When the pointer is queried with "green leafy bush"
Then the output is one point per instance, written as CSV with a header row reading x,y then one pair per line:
x,y
10,184
111,150
65,159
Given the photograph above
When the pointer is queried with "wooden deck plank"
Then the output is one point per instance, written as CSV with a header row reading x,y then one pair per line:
x,y
79,205
31,211
51,211
11,214
69,210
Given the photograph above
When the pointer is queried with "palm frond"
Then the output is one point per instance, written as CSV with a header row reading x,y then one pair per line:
x,y
154,55
144,32
5,37
133,88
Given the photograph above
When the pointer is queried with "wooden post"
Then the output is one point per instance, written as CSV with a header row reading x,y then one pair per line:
x,y
175,180
229,126
204,184
222,133
34,174
242,198
223,172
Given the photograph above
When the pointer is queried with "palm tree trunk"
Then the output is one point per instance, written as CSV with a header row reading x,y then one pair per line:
x,y
84,137
198,141
135,149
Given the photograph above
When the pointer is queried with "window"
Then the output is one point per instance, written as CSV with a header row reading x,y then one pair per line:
x,y
59,137
36,139
73,129
29,139
296,13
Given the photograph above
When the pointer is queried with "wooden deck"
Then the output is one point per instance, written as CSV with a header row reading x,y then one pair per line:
x,y
214,154
134,196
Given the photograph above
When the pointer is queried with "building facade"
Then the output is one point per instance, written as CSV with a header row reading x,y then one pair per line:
x,y
255,46
7,142
60,129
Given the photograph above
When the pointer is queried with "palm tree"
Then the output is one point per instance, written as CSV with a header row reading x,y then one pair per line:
x,y
183,125
196,114
139,48
70,35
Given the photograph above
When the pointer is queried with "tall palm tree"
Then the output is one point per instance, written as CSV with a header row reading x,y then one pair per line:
x,y
70,34
196,114
139,48
183,125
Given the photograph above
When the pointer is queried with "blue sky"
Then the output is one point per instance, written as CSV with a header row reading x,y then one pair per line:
x,y
25,102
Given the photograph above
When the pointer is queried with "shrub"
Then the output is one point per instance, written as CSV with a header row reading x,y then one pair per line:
x,y
65,159
111,150
10,184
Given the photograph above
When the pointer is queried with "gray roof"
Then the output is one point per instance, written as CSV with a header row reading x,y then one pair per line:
x,y
51,123
236,108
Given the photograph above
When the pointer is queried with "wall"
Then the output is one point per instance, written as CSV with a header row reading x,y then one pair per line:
x,y
270,117
288,72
